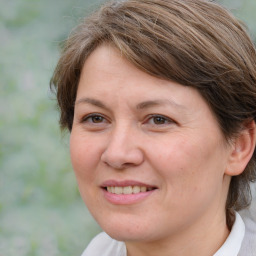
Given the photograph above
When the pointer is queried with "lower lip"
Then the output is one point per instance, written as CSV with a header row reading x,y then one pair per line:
x,y
124,199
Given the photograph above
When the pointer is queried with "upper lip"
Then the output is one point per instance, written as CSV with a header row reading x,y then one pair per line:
x,y
125,183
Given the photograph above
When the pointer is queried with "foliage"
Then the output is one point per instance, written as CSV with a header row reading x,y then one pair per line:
x,y
41,212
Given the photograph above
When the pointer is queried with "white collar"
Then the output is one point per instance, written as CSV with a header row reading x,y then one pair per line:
x,y
232,245
103,245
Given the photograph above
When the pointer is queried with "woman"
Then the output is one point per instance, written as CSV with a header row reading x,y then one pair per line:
x,y
160,100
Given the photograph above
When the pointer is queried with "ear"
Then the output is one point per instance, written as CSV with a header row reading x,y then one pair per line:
x,y
242,150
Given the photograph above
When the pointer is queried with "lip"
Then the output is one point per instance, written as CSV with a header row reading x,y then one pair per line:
x,y
126,199
125,183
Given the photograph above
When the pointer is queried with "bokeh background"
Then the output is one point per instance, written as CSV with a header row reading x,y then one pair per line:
x,y
41,212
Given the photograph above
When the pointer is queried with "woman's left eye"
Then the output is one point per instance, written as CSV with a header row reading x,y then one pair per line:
x,y
159,120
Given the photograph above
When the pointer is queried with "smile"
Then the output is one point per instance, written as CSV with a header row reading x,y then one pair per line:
x,y
128,189
126,192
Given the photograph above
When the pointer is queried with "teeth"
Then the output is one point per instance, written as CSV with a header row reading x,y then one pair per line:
x,y
143,189
118,190
128,190
136,189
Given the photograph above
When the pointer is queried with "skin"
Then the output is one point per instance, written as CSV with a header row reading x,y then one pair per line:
x,y
181,152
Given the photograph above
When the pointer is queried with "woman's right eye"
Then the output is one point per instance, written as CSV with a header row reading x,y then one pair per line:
x,y
94,119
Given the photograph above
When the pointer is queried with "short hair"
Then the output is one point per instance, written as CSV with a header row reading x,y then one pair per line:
x,y
195,43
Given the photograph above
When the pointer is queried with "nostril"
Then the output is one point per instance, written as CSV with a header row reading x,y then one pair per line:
x,y
120,154
115,165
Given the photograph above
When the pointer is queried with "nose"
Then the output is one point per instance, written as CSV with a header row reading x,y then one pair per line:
x,y
123,149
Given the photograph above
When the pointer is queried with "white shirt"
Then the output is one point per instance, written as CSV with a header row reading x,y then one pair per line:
x,y
249,217
104,245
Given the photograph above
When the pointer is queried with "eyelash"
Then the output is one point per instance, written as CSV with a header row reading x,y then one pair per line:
x,y
91,116
154,117
165,119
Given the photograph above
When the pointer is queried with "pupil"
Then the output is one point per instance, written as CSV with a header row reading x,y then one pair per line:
x,y
97,119
159,120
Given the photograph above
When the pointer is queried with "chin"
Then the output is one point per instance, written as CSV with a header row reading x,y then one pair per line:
x,y
118,226
127,237
127,229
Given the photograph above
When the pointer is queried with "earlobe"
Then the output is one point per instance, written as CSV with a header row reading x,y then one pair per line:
x,y
242,151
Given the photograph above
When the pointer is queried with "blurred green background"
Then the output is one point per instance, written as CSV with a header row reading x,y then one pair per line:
x,y
41,212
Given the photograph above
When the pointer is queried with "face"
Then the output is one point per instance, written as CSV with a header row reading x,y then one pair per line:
x,y
148,154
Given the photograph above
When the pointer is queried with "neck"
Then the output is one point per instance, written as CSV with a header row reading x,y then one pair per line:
x,y
201,239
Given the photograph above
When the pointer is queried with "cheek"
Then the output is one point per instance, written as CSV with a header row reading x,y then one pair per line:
x,y
84,156
192,180
190,166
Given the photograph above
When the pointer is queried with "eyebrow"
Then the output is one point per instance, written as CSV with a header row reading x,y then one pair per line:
x,y
153,103
140,106
91,101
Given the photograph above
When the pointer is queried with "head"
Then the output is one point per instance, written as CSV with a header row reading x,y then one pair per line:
x,y
194,43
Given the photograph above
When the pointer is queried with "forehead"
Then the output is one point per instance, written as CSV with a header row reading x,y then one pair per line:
x,y
107,67
108,78
106,71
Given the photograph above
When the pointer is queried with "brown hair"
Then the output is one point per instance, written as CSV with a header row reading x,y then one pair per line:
x,y
193,42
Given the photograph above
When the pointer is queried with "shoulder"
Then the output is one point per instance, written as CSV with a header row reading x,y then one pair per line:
x,y
249,218
104,245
